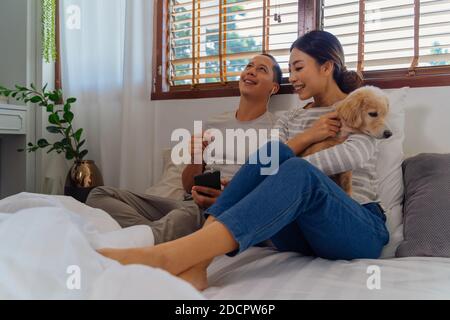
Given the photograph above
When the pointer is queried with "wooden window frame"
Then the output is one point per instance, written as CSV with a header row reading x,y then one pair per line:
x,y
309,19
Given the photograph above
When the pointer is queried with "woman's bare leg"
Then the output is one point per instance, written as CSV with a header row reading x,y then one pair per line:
x,y
182,254
197,275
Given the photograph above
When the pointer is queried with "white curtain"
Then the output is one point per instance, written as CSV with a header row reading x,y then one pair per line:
x,y
106,54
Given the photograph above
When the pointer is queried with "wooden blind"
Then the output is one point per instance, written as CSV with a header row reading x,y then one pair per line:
x,y
386,34
210,41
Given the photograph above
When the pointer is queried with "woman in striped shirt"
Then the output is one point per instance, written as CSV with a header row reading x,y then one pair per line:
x,y
299,208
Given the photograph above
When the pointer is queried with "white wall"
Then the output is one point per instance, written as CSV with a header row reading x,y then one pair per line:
x,y
13,42
18,56
427,118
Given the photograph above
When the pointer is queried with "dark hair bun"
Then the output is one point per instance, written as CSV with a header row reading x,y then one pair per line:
x,y
350,81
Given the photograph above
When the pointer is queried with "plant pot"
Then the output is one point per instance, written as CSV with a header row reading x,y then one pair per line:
x,y
82,177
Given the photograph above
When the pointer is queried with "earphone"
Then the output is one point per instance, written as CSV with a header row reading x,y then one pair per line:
x,y
271,94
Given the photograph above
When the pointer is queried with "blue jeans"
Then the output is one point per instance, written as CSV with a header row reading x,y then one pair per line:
x,y
299,209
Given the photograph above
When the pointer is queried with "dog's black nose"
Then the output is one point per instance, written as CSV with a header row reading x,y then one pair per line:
x,y
387,134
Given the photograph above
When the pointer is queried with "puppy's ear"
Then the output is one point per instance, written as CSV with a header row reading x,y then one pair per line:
x,y
350,110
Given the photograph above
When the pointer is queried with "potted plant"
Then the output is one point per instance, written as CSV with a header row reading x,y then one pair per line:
x,y
84,175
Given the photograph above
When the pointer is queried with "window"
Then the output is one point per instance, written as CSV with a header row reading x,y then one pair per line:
x,y
394,43
202,45
211,40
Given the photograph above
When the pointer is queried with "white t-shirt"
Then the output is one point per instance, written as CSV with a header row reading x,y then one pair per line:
x,y
238,152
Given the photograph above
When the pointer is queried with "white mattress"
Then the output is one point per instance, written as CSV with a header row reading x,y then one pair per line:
x,y
262,273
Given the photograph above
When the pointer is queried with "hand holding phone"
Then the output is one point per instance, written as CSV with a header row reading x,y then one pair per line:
x,y
207,188
209,180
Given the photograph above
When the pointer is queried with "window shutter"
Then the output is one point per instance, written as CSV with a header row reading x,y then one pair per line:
x,y
210,41
394,34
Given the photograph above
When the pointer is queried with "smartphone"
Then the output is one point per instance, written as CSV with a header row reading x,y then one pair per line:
x,y
209,180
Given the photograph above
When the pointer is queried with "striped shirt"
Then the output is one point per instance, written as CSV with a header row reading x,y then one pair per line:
x,y
358,153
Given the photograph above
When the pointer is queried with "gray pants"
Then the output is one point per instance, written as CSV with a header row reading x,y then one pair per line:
x,y
169,219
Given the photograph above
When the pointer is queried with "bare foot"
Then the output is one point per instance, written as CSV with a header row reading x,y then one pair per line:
x,y
197,277
146,256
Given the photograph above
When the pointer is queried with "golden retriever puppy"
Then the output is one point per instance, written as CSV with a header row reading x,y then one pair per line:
x,y
362,111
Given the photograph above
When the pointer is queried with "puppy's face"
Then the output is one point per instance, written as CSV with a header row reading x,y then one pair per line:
x,y
365,111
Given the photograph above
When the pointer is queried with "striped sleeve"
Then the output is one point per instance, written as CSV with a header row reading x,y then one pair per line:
x,y
282,126
349,155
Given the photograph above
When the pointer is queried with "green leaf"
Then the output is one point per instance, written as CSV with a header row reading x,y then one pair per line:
x,y
65,142
71,100
42,143
30,144
50,108
53,118
53,129
36,99
58,145
45,87
77,135
54,97
70,154
83,154
33,87
68,116
81,144
67,107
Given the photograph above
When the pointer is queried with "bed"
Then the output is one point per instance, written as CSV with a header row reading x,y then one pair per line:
x,y
47,251
45,240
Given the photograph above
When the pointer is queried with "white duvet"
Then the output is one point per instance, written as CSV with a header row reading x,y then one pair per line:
x,y
47,251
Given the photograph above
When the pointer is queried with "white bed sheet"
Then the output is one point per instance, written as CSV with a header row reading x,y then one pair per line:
x,y
262,273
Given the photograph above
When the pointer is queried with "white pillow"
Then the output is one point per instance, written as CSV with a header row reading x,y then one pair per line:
x,y
389,170
170,184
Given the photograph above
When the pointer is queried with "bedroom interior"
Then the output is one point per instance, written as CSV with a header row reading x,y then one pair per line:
x,y
137,78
